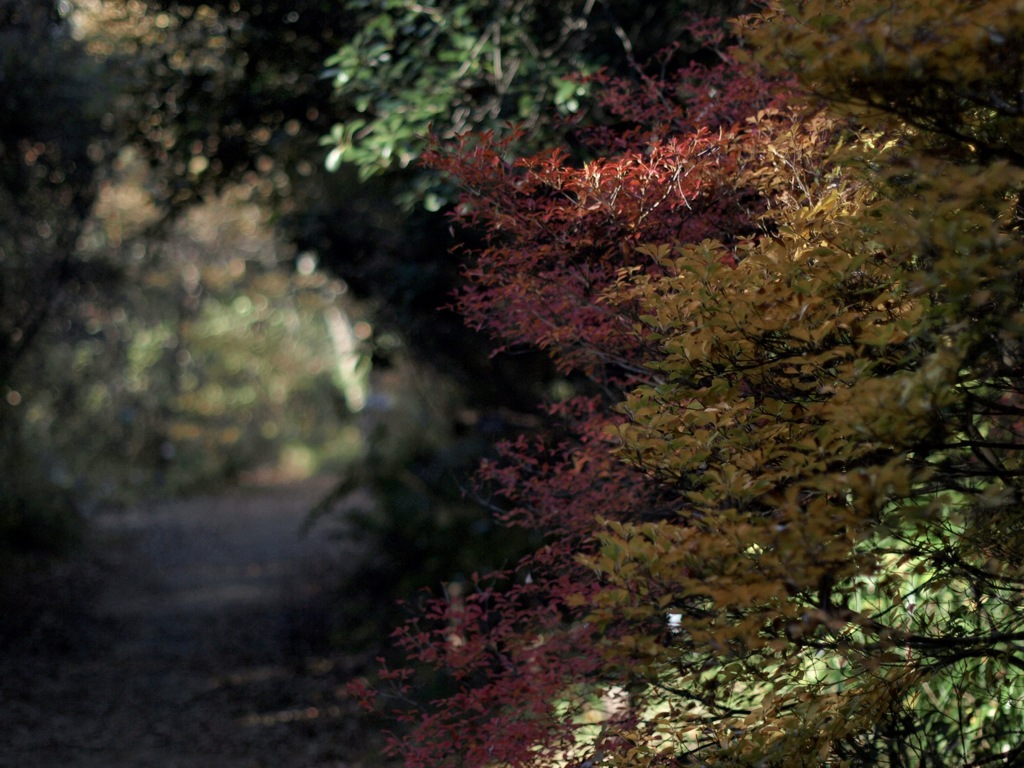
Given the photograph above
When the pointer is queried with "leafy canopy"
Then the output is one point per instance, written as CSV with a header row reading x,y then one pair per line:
x,y
449,67
784,529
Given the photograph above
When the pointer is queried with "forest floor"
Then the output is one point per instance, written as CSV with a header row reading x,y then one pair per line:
x,y
190,634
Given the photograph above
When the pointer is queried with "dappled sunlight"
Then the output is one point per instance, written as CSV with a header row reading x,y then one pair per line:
x,y
217,358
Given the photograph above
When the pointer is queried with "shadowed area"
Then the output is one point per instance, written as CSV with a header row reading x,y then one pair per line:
x,y
199,648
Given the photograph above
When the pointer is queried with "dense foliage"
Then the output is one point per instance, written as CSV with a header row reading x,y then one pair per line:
x,y
783,528
450,67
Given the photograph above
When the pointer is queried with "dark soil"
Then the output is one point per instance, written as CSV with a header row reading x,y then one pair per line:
x,y
190,634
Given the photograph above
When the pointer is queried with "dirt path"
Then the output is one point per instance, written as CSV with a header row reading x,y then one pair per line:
x,y
199,650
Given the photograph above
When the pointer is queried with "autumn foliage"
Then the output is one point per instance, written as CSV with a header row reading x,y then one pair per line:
x,y
782,515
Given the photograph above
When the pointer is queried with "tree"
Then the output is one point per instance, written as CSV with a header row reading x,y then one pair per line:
x,y
211,94
48,127
808,551
455,66
559,236
50,140
149,343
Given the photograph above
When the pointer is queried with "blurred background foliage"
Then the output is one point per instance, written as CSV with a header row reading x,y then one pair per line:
x,y
158,334
190,300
